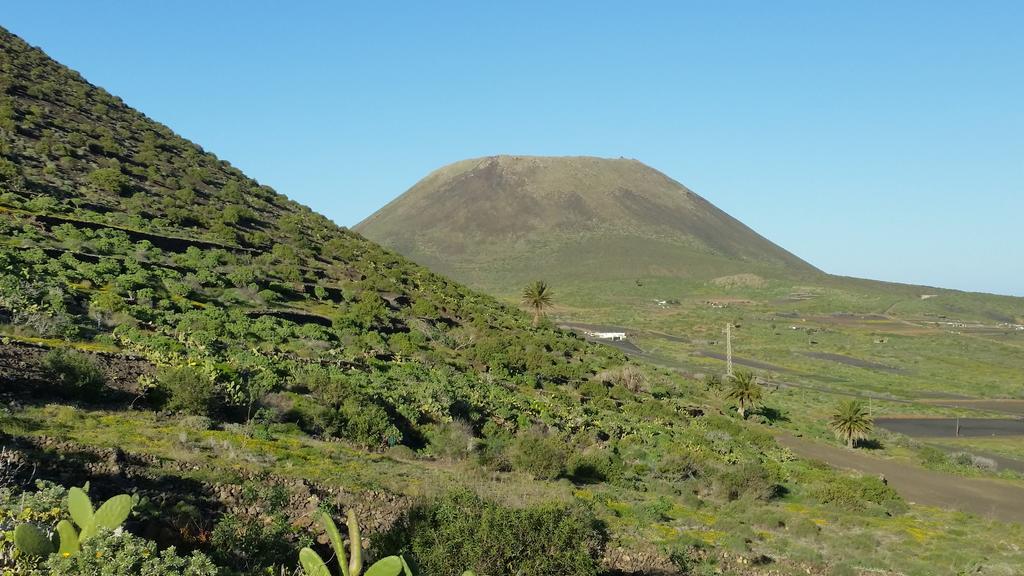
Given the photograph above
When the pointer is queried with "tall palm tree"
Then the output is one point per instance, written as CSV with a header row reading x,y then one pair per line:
x,y
851,422
537,296
744,389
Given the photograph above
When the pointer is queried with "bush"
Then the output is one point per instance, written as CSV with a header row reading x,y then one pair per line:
x,y
452,440
258,537
195,423
75,373
968,460
461,531
108,180
120,552
494,450
628,377
315,418
859,494
594,389
188,390
749,480
540,455
251,544
369,425
679,466
595,466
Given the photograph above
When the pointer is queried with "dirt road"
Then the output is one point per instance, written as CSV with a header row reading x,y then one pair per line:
x,y
993,498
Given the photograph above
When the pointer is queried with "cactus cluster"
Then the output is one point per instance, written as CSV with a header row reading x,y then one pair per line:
x,y
351,565
31,540
314,565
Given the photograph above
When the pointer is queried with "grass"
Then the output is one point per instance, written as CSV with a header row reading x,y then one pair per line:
x,y
795,530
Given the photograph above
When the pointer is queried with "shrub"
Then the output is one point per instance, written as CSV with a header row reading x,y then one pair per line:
x,y
452,440
251,544
462,531
120,552
188,390
494,450
749,480
315,418
969,460
257,537
859,494
628,376
540,455
679,466
369,425
108,180
595,466
75,373
195,423
594,389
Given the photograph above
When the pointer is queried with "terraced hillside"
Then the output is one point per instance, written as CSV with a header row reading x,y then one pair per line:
x,y
173,328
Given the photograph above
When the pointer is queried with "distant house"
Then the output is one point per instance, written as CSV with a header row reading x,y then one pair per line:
x,y
613,336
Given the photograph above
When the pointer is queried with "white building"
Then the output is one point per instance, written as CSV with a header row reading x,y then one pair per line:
x,y
613,336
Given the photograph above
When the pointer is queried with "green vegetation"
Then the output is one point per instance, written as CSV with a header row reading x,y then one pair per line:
x,y
537,297
173,325
31,540
187,390
745,390
851,422
461,530
350,564
74,373
97,547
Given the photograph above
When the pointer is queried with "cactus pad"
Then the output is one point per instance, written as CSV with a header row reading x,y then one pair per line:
x,y
113,512
32,541
312,564
389,566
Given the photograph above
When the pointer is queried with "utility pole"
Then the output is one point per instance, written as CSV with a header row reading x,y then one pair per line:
x,y
728,350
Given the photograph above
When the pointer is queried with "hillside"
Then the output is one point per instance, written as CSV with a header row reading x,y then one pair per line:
x,y
174,330
488,221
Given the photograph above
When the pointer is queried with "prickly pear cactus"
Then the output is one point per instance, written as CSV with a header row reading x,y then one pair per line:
x,y
31,540
68,538
336,542
80,507
389,566
312,563
113,512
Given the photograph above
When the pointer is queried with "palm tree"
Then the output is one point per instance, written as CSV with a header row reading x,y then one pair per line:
x,y
537,296
744,389
851,422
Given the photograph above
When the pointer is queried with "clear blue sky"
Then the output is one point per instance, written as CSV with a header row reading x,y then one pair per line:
x,y
882,139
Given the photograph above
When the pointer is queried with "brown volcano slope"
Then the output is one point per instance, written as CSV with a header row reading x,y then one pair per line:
x,y
511,218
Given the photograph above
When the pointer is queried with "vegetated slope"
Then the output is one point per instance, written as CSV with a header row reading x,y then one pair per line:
x,y
267,340
512,218
117,230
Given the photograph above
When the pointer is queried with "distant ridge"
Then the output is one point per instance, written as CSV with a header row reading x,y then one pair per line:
x,y
508,218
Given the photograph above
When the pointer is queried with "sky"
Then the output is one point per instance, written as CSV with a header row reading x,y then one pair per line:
x,y
875,139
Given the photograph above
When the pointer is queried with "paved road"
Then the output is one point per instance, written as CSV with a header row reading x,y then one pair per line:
x,y
948,427
993,498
